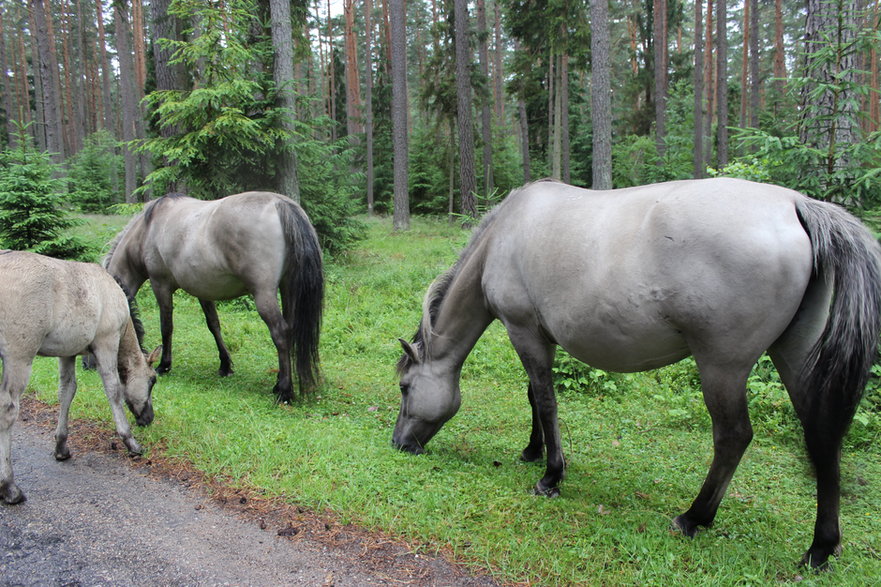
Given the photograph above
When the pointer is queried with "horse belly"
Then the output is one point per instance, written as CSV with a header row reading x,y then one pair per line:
x,y
624,347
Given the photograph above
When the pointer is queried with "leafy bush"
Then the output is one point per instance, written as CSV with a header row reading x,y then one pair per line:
x,y
32,212
94,172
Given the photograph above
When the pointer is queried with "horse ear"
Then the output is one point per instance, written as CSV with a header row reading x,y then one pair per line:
x,y
410,350
154,356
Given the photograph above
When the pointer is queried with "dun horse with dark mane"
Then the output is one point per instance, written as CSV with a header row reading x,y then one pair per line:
x,y
252,243
63,309
638,278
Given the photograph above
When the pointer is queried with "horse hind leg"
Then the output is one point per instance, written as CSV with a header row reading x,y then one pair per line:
x,y
267,306
534,451
724,393
209,308
16,374
823,435
66,391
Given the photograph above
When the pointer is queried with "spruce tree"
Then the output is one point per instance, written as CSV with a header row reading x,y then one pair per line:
x,y
33,216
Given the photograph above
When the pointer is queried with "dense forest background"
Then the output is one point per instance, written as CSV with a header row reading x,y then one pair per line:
x,y
435,106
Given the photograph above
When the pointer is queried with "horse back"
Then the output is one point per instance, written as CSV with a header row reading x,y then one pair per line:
x,y
56,308
216,249
637,278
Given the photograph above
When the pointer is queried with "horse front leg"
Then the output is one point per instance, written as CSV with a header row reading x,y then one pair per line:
x,y
209,308
106,358
725,396
267,307
15,378
537,356
66,391
165,301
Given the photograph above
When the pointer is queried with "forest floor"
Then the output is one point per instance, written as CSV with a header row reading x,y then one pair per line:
x,y
103,518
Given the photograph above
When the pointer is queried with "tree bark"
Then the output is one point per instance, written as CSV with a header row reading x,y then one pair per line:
x,y
829,120
8,90
467,180
699,165
744,65
498,68
128,89
287,182
485,116
600,95
368,100
353,88
755,81
660,58
106,69
51,85
779,53
398,33
721,84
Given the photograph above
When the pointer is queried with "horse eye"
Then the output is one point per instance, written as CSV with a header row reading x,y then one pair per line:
x,y
405,387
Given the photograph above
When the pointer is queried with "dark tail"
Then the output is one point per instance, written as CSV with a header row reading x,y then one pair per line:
x,y
302,292
838,365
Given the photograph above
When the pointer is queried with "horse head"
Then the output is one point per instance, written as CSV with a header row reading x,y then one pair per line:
x,y
429,397
137,386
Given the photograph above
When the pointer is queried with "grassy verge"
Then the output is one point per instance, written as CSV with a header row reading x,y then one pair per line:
x,y
638,446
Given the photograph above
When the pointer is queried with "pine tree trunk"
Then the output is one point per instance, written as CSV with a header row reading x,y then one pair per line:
x,y
779,53
498,71
368,100
8,90
128,89
660,65
50,96
564,118
398,34
287,182
353,88
600,95
85,117
709,82
829,120
485,116
467,180
744,64
106,70
699,165
755,81
721,84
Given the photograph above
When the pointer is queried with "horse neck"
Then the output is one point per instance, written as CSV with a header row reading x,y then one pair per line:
x,y
130,353
462,317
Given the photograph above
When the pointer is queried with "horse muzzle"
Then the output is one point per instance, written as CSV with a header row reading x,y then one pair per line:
x,y
145,418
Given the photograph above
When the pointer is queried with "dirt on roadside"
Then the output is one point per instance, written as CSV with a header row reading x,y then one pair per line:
x,y
224,535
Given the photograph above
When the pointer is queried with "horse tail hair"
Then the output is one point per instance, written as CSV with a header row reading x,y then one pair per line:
x,y
837,367
302,291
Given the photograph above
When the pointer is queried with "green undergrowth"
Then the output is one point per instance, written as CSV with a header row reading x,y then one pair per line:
x,y
637,445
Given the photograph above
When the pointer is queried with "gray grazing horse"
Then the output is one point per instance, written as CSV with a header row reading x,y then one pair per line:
x,y
252,243
634,279
63,309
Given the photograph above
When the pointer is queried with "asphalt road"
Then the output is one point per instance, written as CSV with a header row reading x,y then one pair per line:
x,y
96,520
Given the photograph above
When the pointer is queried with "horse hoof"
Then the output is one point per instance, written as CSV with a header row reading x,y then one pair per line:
x,y
549,492
62,455
134,449
818,557
11,494
687,528
163,369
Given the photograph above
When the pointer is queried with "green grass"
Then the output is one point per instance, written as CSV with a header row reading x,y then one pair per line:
x,y
637,449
